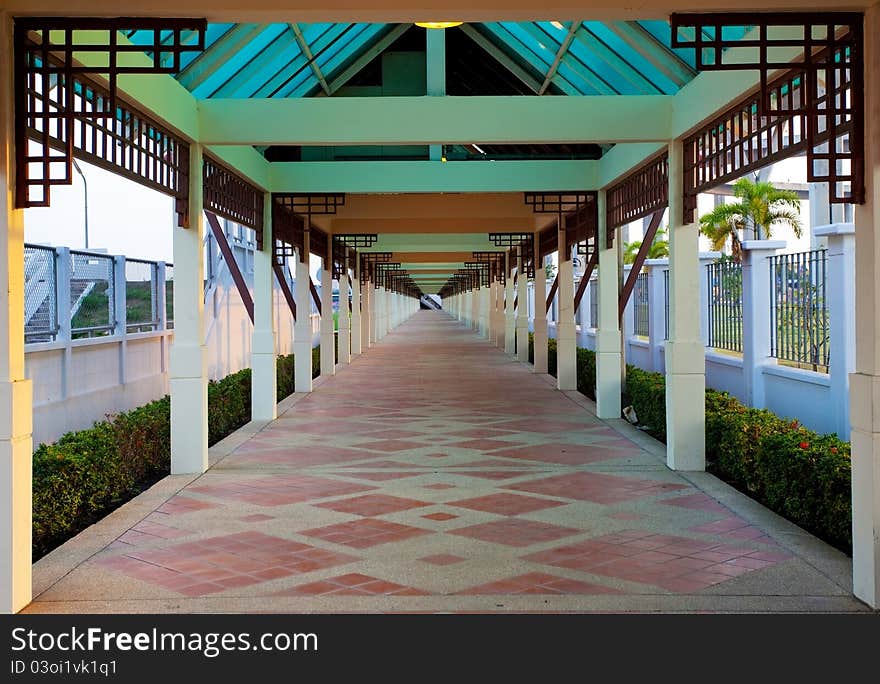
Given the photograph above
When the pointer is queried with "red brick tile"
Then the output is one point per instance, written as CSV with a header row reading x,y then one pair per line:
x,y
442,559
506,504
365,532
372,504
440,517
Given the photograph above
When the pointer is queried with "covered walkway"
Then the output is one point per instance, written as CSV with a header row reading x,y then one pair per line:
x,y
435,473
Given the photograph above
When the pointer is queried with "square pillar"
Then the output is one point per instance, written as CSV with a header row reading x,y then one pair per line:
x,y
263,374
328,332
509,313
522,313
865,382
685,352
302,329
566,332
356,315
344,335
840,295
16,401
756,298
608,335
368,315
657,268
189,358
540,324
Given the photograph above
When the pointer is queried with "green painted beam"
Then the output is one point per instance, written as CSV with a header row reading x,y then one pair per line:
x,y
427,176
434,120
160,95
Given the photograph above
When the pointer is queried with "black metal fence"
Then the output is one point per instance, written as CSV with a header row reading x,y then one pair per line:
x,y
666,303
641,306
799,330
725,281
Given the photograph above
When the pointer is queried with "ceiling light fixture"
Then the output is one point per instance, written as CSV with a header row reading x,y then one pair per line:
x,y
438,24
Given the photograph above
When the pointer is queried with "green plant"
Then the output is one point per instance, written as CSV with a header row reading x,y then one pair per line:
x,y
88,473
658,250
760,206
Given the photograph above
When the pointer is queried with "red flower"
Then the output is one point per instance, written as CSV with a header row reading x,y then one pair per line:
x,y
833,450
804,445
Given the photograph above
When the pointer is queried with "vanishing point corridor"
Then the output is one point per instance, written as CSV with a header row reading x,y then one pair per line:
x,y
437,474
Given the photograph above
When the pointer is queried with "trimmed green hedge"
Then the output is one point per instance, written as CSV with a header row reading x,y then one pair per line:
x,y
88,473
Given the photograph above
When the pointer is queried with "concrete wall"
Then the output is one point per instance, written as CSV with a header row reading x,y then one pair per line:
x,y
79,382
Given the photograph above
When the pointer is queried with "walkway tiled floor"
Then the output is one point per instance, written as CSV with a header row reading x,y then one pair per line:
x,y
437,474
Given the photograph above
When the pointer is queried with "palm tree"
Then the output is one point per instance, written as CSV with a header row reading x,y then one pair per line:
x,y
659,248
760,206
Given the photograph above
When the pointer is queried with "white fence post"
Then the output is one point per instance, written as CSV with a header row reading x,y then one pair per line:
x,y
62,300
706,258
840,294
120,313
656,311
756,298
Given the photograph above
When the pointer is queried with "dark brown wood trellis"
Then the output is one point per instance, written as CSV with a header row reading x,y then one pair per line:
x,y
817,106
643,192
61,111
232,197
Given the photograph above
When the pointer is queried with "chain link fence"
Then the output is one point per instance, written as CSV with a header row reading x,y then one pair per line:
x,y
725,281
92,296
799,326
141,295
40,298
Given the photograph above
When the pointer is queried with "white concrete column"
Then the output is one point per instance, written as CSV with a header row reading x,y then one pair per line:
x,y
381,313
522,313
656,269
685,353
263,374
540,324
865,382
608,335
344,334
509,312
302,329
368,322
357,334
328,332
484,311
16,400
566,332
756,297
475,309
189,358
840,295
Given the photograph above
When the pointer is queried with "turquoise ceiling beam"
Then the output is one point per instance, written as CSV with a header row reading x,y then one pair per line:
x,y
306,50
662,57
560,53
427,176
620,66
434,120
216,55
